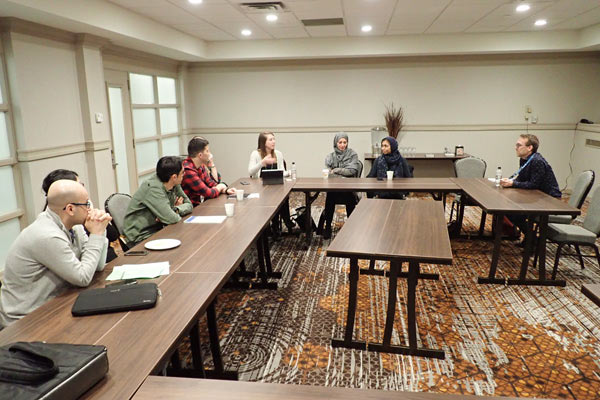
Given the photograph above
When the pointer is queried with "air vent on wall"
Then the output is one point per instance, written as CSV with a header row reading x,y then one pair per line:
x,y
592,143
262,7
323,22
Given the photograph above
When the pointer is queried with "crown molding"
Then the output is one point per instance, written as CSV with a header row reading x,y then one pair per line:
x,y
16,25
588,127
89,40
367,128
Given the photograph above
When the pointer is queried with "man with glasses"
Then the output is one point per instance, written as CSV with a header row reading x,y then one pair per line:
x,y
159,201
54,252
534,173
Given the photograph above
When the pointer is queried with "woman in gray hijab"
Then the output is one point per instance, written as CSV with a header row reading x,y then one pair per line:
x,y
342,162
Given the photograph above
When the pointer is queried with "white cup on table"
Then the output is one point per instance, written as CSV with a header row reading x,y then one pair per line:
x,y
325,173
390,175
239,194
229,209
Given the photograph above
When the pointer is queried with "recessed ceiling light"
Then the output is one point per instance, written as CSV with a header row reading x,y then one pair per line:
x,y
195,1
272,17
246,32
366,28
523,7
541,22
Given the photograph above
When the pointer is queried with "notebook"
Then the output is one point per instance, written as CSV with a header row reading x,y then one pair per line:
x,y
115,298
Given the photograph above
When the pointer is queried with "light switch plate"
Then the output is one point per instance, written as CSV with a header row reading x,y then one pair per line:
x,y
99,118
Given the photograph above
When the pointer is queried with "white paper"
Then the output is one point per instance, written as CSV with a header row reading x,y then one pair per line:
x,y
139,271
492,179
254,196
206,219
429,155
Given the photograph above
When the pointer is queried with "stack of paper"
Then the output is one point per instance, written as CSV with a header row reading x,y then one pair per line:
x,y
254,195
139,271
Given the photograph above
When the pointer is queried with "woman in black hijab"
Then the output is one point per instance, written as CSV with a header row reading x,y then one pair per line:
x,y
390,160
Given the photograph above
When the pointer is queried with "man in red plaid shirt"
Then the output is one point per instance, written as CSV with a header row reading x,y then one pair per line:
x,y
201,179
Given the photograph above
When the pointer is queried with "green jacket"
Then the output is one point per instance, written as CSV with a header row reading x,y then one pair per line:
x,y
152,207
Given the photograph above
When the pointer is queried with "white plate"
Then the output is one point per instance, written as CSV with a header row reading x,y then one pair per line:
x,y
162,244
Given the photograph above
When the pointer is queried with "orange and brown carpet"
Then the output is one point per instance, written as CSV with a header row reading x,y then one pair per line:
x,y
521,341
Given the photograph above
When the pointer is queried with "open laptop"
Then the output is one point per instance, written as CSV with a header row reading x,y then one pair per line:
x,y
272,176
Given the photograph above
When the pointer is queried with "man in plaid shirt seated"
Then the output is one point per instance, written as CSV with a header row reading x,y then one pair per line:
x,y
201,179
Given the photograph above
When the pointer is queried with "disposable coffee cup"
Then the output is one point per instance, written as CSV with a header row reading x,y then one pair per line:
x,y
229,209
325,173
239,194
390,175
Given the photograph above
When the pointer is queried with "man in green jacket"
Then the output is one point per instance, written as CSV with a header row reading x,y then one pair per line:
x,y
159,201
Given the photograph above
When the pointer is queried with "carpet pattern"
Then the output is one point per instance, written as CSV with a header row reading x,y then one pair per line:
x,y
499,340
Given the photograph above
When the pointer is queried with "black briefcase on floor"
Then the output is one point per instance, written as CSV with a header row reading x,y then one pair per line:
x,y
115,298
50,371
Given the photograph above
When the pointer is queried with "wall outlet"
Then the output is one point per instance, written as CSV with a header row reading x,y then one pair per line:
x,y
534,119
99,118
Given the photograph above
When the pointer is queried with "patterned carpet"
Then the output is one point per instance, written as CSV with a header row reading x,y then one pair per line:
x,y
498,340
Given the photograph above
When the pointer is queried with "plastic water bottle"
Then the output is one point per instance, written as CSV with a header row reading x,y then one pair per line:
x,y
498,176
293,170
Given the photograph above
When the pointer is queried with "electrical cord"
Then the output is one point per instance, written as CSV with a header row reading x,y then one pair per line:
x,y
570,165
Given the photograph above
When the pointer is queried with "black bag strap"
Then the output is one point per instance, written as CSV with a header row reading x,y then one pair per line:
x,y
21,363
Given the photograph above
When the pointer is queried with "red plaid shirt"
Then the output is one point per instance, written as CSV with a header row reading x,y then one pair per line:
x,y
198,182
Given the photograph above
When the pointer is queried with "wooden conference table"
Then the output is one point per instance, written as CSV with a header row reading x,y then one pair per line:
x,y
499,202
141,343
374,232
369,185
438,166
167,388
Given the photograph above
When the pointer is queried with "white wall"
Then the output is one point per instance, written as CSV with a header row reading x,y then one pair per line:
x,y
479,103
586,157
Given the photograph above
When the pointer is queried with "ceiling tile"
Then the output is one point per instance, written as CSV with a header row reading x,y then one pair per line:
x,y
462,14
382,8
168,15
506,16
586,19
315,9
235,29
140,3
288,33
285,20
355,22
415,17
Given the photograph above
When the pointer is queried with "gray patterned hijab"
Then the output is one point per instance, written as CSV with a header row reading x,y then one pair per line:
x,y
342,157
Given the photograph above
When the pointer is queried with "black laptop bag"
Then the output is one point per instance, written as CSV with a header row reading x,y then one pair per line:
x,y
49,371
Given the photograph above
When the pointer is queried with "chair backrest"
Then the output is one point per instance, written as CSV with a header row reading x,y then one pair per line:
x,y
470,167
360,169
116,205
582,187
592,218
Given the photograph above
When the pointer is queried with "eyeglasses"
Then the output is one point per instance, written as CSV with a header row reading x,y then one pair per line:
x,y
87,204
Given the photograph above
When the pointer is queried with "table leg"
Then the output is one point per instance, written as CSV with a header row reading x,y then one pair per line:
x,y
262,269
215,348
197,370
307,218
541,257
352,295
412,348
527,252
391,306
267,256
497,221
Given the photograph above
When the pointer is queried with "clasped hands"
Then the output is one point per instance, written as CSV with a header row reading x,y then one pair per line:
x,y
96,221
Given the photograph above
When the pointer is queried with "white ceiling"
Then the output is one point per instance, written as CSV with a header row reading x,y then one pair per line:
x,y
215,20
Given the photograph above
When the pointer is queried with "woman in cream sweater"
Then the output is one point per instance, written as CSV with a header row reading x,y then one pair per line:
x,y
266,157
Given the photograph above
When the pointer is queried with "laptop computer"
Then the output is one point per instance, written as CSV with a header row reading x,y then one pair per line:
x,y
115,298
272,176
